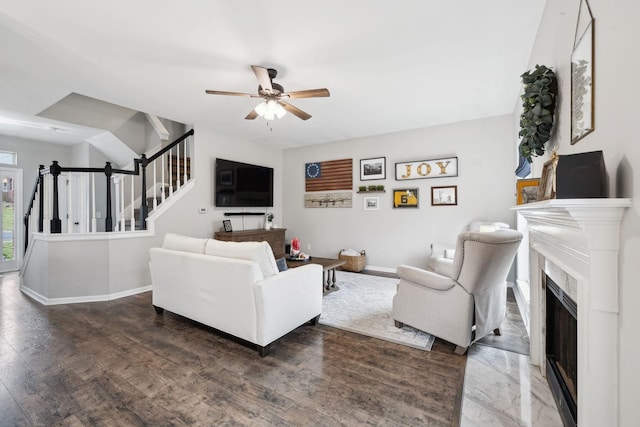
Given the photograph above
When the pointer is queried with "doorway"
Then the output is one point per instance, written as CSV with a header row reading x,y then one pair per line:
x,y
9,219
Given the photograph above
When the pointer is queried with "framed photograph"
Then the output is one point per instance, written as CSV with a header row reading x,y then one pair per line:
x,y
527,190
227,225
547,187
444,196
373,168
421,169
371,203
405,198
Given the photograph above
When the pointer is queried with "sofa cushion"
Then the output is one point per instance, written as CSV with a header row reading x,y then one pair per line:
x,y
177,242
259,252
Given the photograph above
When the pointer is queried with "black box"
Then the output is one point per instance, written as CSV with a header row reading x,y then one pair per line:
x,y
581,176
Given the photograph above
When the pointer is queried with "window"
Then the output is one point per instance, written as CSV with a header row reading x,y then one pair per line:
x,y
8,158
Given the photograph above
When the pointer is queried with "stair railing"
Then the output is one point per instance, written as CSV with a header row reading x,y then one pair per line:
x,y
45,196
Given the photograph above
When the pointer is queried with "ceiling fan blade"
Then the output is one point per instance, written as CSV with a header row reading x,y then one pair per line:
x,y
262,74
311,93
295,111
252,115
220,92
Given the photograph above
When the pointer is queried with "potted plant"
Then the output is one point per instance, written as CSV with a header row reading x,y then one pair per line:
x,y
268,220
538,103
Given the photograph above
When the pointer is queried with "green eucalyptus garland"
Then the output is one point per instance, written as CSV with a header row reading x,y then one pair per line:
x,y
538,103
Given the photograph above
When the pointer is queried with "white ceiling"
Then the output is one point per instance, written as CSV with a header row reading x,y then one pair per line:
x,y
389,65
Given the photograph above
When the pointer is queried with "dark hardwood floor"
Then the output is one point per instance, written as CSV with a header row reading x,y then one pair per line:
x,y
119,364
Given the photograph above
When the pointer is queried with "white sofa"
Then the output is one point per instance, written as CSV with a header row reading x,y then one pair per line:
x,y
234,287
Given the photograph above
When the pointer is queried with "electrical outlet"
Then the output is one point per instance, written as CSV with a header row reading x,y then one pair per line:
x,y
308,246
98,214
203,210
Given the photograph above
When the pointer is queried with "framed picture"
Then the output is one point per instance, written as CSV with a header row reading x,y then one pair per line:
x,y
373,168
547,187
371,204
421,169
582,93
405,198
527,190
227,225
444,196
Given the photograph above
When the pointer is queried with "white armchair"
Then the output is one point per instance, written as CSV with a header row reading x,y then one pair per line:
x,y
441,259
466,304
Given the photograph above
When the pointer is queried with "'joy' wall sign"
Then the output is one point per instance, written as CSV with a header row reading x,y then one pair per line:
x,y
420,169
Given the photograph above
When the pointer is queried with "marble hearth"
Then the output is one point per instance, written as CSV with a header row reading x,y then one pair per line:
x,y
576,243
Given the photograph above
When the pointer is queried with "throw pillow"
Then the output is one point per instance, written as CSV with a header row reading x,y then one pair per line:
x,y
282,264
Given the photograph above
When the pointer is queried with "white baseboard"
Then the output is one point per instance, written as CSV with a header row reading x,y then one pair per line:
x,y
81,299
519,290
382,269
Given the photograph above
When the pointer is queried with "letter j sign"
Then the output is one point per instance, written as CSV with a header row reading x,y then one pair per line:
x,y
420,169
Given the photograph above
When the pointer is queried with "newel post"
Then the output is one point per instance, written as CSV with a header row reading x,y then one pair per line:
x,y
144,208
56,223
108,222
40,200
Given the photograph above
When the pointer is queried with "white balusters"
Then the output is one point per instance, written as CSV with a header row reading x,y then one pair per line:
x,y
170,174
69,187
163,184
94,223
47,212
184,161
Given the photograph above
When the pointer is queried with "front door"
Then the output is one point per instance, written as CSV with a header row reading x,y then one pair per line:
x,y
9,214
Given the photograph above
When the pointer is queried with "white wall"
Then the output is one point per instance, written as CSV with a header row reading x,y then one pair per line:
x,y
616,116
485,150
32,154
184,217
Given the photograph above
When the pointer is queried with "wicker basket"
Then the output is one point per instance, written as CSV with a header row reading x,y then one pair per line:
x,y
353,263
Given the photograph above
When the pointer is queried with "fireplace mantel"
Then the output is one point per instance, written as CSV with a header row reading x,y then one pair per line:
x,y
581,238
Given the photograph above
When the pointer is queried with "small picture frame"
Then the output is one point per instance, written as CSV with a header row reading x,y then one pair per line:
x,y
547,187
227,225
371,169
371,203
405,198
527,190
444,196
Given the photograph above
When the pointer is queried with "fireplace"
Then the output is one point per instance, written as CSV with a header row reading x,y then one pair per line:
x,y
575,242
562,350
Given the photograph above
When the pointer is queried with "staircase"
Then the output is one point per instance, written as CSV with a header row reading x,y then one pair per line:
x,y
180,168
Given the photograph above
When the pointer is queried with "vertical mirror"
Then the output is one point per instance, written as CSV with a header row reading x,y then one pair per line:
x,y
582,96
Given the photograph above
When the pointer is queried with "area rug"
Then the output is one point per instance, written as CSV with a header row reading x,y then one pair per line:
x,y
363,305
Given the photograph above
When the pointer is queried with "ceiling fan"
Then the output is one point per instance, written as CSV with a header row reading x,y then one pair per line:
x,y
273,94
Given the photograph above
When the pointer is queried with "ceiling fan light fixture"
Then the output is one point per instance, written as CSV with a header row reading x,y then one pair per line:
x,y
270,110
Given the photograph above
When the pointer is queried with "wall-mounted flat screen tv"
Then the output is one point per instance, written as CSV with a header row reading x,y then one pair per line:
x,y
239,185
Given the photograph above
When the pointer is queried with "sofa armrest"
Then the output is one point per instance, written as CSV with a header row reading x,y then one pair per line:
x,y
286,300
425,278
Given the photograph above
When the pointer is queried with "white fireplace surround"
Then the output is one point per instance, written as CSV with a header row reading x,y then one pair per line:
x,y
576,242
